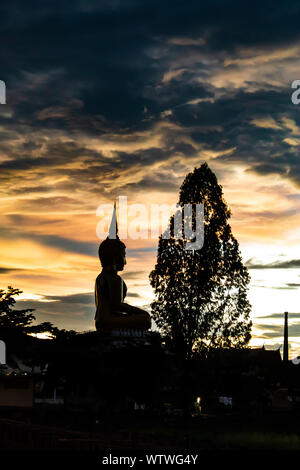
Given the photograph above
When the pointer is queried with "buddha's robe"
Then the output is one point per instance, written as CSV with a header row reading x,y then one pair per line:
x,y
111,312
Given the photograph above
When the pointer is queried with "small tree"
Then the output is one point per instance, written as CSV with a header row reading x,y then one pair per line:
x,y
19,321
13,319
201,295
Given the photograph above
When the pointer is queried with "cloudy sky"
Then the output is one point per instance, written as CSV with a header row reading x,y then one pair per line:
x,y
126,97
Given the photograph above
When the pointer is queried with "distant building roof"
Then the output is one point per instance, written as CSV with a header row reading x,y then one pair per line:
x,y
251,356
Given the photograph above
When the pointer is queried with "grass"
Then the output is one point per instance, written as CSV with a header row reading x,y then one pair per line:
x,y
258,441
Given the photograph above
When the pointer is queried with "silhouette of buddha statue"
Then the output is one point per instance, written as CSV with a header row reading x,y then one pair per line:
x,y
110,289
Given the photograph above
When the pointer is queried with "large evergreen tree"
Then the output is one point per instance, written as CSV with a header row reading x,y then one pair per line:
x,y
201,295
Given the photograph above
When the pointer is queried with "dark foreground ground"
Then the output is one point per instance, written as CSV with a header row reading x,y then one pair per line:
x,y
76,441
44,430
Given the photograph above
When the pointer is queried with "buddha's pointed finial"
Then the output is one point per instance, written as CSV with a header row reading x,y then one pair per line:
x,y
113,229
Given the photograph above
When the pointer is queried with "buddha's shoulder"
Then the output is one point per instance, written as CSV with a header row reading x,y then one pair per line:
x,y
99,277
108,276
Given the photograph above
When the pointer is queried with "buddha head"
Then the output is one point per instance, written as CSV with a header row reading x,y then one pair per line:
x,y
112,252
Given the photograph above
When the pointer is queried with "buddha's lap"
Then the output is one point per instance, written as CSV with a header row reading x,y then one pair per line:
x,y
127,320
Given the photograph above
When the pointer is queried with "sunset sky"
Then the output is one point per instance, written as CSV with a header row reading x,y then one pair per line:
x,y
124,98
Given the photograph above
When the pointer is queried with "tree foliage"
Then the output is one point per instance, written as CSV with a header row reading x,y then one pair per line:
x,y
10,318
201,295
19,321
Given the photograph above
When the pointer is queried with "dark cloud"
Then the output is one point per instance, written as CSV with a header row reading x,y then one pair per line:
x,y
133,274
290,264
287,286
273,331
275,316
83,298
30,220
8,270
136,251
134,295
94,70
67,244
284,288
54,241
75,311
